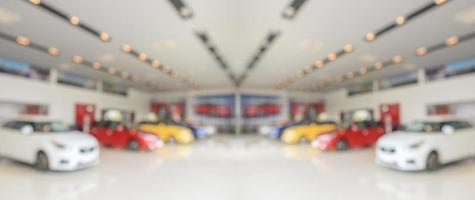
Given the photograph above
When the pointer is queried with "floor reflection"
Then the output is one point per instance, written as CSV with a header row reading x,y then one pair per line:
x,y
247,167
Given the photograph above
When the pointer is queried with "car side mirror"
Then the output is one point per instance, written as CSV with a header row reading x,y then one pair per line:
x,y
26,130
448,130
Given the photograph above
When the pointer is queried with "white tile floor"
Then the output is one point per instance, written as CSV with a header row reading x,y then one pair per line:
x,y
226,168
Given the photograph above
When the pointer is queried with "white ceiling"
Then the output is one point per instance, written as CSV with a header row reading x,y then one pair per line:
x,y
237,28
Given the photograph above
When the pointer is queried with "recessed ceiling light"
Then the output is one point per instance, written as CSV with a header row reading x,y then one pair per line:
x,y
77,59
142,57
96,65
74,20
348,48
22,41
378,65
35,1
125,75
53,51
339,79
332,56
397,59
290,11
185,11
104,36
438,2
350,75
363,70
451,41
319,63
126,48
155,63
400,20
370,37
112,70
308,69
421,51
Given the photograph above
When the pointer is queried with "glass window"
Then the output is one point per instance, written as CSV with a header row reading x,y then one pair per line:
x,y
457,68
114,88
17,68
360,89
397,80
76,80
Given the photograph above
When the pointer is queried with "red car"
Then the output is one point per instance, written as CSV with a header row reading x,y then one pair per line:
x,y
116,134
359,134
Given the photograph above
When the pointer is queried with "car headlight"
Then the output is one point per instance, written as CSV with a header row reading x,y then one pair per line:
x,y
416,145
59,145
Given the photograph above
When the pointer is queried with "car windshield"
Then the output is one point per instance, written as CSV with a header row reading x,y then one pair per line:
x,y
50,127
423,127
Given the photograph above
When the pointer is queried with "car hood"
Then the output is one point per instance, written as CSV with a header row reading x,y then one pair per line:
x,y
72,138
402,138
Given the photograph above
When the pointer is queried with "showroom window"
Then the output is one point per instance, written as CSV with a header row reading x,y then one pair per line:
x,y
363,88
17,68
76,80
397,81
457,68
114,89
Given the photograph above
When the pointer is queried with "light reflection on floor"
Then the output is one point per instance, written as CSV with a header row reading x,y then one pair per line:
x,y
226,168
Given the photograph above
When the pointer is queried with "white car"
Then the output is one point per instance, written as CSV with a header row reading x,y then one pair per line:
x,y
48,145
427,144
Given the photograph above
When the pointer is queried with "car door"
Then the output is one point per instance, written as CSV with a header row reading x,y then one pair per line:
x,y
466,135
454,146
5,133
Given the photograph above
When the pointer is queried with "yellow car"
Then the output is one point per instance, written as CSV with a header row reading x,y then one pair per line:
x,y
306,132
168,132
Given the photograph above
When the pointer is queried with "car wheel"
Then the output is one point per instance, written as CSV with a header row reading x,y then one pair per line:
x,y
133,145
172,139
42,162
341,145
432,161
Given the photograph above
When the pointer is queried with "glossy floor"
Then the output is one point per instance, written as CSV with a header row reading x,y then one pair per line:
x,y
245,168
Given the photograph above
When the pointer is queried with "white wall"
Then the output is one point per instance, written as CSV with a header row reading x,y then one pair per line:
x,y
61,99
413,99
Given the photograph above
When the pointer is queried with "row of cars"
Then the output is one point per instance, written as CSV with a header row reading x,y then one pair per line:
x,y
51,145
421,145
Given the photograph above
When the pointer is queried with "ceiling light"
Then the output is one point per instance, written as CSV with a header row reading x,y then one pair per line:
x,y
319,63
348,48
125,75
421,51
350,75
332,56
77,59
290,11
112,70
363,70
35,1
96,65
126,48
155,63
22,41
53,51
308,69
339,79
104,36
451,41
74,20
400,20
185,12
438,2
378,65
142,57
397,59
370,37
